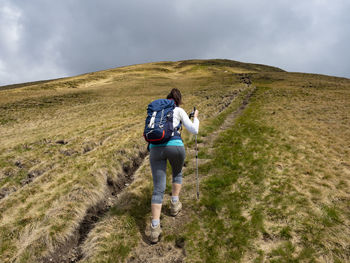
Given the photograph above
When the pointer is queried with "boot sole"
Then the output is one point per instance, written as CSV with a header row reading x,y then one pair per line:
x,y
173,214
157,240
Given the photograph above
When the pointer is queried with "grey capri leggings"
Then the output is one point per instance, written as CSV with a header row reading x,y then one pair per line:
x,y
158,159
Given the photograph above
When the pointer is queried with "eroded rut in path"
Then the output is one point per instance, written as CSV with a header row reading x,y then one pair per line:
x,y
71,251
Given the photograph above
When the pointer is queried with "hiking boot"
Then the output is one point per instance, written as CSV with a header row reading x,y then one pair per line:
x,y
175,208
155,233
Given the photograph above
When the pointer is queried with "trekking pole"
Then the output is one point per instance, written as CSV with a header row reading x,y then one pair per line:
x,y
197,177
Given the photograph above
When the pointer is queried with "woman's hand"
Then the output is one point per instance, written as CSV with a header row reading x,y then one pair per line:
x,y
196,113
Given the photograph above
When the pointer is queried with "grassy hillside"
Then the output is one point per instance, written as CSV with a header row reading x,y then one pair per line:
x,y
75,181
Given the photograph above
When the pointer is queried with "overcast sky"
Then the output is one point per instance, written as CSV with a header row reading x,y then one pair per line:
x,y
43,39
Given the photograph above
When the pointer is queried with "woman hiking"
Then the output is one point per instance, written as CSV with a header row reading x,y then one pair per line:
x,y
174,151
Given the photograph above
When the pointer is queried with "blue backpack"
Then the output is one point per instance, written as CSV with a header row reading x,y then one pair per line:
x,y
159,121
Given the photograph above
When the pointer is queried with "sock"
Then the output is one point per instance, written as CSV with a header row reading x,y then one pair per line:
x,y
174,199
155,222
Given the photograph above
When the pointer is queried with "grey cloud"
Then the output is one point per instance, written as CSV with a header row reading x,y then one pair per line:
x,y
61,38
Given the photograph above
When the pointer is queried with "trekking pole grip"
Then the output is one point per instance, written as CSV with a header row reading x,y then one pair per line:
x,y
191,115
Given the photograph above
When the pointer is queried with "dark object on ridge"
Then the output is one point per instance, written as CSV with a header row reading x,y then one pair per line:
x,y
61,142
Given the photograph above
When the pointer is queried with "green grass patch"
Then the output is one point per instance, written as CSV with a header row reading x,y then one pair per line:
x,y
330,216
224,231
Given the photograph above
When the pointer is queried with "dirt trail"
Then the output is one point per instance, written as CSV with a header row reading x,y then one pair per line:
x,y
175,251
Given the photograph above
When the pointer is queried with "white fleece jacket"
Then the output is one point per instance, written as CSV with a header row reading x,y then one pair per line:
x,y
181,115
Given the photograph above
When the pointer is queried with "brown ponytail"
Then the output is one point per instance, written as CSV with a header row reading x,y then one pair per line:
x,y
175,94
